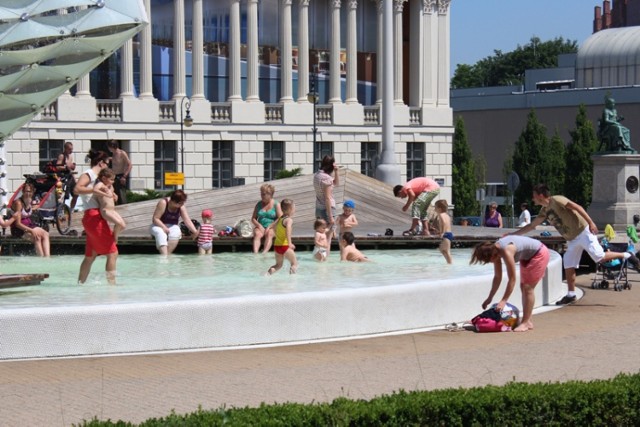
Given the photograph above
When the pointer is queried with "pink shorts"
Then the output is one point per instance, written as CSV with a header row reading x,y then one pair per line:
x,y
532,270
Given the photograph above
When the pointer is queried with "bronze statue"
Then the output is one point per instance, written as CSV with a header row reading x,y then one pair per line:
x,y
611,134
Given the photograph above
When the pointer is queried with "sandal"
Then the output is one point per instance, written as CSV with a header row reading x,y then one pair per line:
x,y
409,233
454,327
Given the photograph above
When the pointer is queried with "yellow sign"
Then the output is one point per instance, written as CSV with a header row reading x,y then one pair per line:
x,y
173,178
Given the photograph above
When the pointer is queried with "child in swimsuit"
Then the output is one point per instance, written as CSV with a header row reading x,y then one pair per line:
x,y
103,192
283,246
320,240
205,236
444,229
348,250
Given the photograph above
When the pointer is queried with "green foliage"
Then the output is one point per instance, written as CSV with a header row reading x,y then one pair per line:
x,y
584,142
285,173
575,403
505,69
148,194
463,173
537,160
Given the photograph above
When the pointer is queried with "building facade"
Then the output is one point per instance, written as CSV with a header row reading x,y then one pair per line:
x,y
221,64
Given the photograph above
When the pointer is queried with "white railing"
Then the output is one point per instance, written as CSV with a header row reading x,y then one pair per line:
x,y
50,112
109,110
167,111
221,112
415,116
324,114
372,115
274,113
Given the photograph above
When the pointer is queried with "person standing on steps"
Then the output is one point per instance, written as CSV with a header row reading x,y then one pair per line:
x,y
121,166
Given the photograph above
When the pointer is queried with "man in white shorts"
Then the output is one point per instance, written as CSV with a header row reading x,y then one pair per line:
x,y
576,226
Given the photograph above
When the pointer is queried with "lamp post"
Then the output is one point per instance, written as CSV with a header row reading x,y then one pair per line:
x,y
184,121
313,98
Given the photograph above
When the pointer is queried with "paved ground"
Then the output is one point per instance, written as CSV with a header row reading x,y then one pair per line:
x,y
595,338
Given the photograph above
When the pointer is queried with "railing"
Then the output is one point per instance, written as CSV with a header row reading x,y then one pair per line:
x,y
274,113
324,114
109,110
167,111
221,112
50,112
415,116
372,115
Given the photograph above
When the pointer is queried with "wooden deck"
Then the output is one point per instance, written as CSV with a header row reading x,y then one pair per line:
x,y
376,209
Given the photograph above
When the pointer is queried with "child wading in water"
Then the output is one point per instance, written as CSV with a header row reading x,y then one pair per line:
x,y
320,250
283,246
444,229
205,235
348,250
104,194
347,220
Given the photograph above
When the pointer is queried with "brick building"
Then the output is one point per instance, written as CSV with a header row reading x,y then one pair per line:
x,y
623,13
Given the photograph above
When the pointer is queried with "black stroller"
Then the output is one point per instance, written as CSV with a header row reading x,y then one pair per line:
x,y
614,271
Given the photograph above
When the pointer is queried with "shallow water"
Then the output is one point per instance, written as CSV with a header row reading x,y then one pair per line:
x,y
151,278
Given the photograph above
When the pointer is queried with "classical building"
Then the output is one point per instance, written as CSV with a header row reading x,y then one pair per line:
x,y
221,64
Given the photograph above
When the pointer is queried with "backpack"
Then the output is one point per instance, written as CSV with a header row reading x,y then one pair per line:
x,y
185,230
491,320
244,228
50,167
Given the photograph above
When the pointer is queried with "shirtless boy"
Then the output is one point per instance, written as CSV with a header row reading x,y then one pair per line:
x,y
121,166
348,251
103,192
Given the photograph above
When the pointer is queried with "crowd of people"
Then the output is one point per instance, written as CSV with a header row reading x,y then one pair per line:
x,y
100,188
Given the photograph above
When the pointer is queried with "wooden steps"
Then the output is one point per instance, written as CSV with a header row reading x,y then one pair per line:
x,y
374,200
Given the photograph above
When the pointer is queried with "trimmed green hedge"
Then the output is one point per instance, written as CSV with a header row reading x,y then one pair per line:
x,y
614,402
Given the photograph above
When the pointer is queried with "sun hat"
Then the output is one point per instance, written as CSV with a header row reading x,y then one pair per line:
x,y
207,213
349,204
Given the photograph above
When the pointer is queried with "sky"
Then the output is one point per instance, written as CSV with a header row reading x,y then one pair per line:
x,y
478,27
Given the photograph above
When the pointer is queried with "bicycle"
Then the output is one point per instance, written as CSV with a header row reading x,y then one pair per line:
x,y
52,190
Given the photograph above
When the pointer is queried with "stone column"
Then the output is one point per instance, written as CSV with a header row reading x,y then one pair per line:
x,y
126,70
397,51
146,72
388,170
352,54
286,47
303,51
430,55
235,94
444,55
252,51
416,59
179,73
197,52
334,55
380,52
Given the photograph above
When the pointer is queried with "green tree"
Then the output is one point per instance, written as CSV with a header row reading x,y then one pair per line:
x,y
504,69
531,158
463,173
556,166
577,184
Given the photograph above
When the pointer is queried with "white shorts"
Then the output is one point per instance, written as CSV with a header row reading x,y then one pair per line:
x,y
586,241
161,237
206,245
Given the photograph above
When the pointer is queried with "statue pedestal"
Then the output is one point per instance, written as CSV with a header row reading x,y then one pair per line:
x,y
615,194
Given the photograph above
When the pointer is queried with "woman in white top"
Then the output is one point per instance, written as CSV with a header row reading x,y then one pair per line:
x,y
100,240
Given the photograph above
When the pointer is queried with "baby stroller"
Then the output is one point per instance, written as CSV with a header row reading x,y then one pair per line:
x,y
614,271
51,192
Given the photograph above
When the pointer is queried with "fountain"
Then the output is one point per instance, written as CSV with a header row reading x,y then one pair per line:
x,y
188,302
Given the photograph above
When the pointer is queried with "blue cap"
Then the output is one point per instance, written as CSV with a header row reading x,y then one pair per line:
x,y
349,204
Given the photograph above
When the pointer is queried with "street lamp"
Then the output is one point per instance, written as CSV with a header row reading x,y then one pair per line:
x,y
313,98
184,121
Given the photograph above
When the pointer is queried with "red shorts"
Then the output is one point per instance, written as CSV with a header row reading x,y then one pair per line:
x,y
532,270
99,236
280,250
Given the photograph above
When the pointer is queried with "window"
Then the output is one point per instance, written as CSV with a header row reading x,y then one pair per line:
x,y
369,152
273,159
415,159
320,150
50,149
222,164
164,160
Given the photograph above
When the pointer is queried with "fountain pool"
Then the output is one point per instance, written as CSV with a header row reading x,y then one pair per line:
x,y
221,301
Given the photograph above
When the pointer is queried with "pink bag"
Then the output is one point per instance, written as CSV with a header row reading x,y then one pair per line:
x,y
485,324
